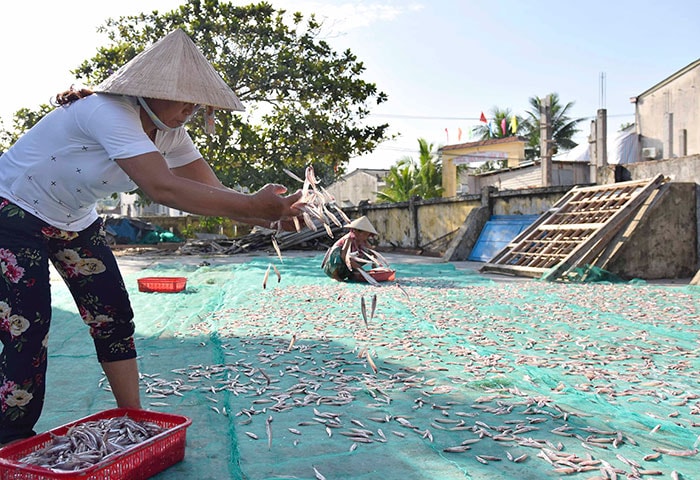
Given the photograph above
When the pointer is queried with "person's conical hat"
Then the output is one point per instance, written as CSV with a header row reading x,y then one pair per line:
x,y
173,68
363,224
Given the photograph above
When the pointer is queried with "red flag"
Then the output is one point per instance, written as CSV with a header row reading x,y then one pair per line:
x,y
483,118
459,134
447,136
503,126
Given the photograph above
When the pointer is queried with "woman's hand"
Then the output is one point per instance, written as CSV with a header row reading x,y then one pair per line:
x,y
270,204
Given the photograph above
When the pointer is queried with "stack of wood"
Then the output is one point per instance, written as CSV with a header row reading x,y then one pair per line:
x,y
260,239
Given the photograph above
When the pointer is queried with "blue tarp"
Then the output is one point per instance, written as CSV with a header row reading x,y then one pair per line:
x,y
131,230
498,231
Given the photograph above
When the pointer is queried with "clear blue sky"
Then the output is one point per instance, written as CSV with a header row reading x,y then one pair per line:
x,y
441,62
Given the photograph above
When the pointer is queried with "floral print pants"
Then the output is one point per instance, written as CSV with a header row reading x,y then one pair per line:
x,y
90,271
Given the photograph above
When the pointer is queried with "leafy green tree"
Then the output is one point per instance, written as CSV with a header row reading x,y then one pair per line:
x,y
306,103
563,127
408,179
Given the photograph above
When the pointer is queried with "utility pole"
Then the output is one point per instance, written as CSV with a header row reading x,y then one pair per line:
x,y
593,153
599,155
601,137
546,140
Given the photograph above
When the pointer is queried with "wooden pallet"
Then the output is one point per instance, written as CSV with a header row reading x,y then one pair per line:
x,y
696,279
577,231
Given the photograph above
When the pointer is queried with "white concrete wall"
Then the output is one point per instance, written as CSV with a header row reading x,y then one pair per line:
x,y
668,110
563,173
355,188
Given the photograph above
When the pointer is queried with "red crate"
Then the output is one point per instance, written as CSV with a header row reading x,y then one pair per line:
x,y
162,284
139,462
383,274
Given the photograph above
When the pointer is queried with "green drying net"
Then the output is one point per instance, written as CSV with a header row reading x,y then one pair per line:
x,y
443,374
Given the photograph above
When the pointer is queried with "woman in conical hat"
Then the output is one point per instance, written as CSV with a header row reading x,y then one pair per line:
x,y
346,258
362,224
126,134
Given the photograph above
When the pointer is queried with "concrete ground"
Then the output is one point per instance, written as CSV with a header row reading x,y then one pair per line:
x,y
133,260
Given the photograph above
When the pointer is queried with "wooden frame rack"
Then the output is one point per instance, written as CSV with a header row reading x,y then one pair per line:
x,y
578,230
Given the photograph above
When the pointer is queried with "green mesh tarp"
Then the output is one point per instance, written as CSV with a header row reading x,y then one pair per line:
x,y
474,378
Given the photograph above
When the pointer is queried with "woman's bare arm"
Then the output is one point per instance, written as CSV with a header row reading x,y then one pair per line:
x,y
195,189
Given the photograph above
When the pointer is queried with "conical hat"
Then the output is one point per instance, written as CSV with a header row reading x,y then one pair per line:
x,y
172,69
363,224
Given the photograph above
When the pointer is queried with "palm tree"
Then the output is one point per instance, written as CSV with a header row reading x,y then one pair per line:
x,y
563,127
494,129
429,174
398,182
406,179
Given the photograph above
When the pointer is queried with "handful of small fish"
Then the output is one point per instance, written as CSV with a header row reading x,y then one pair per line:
x,y
88,443
315,206
316,202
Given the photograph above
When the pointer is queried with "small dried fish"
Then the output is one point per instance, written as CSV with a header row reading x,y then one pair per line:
x,y
267,274
491,458
677,453
368,278
266,376
371,362
521,458
313,201
628,461
456,449
319,475
363,308
291,342
276,246
293,175
88,443
268,429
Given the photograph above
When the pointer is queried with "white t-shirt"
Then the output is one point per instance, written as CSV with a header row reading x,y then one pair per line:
x,y
63,165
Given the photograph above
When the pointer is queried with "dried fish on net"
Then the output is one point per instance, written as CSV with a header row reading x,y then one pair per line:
x,y
88,443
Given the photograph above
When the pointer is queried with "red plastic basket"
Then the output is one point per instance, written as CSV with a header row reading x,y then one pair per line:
x,y
383,274
139,462
162,284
